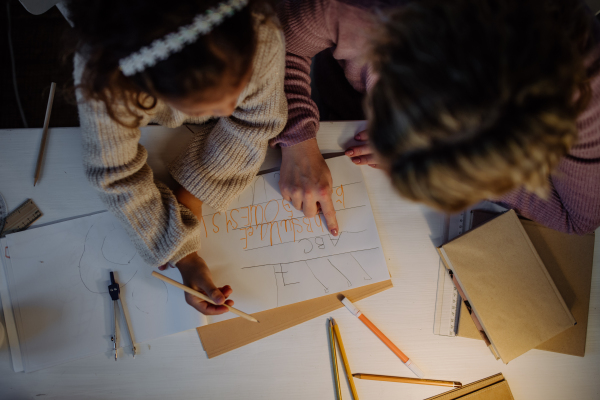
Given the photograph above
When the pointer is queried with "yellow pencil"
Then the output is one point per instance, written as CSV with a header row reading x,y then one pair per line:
x,y
334,361
338,335
403,379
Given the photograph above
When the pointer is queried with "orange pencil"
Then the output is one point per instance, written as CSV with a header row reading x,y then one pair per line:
x,y
356,312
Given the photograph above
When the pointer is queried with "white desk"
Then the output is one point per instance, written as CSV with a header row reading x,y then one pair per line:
x,y
293,364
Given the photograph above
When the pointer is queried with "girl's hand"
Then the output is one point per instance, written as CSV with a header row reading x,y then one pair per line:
x,y
305,181
195,274
363,154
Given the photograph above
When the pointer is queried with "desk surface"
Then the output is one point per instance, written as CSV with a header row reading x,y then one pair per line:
x,y
293,364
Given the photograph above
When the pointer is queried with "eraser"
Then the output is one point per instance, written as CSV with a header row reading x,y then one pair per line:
x,y
351,307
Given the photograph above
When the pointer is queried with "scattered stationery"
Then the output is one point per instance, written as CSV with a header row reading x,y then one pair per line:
x,y
269,252
114,289
234,333
356,312
334,365
569,261
338,336
494,387
401,379
38,167
498,270
20,219
201,296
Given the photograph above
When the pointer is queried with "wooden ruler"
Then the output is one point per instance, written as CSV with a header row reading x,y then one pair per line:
x,y
20,219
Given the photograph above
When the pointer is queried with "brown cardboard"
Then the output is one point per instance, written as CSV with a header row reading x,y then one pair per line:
x,y
508,286
494,387
224,336
569,261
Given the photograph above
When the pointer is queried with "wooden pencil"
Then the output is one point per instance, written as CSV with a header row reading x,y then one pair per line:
x,y
202,296
402,379
338,335
336,378
38,167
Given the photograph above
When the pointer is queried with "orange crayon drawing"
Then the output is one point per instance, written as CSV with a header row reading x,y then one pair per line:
x,y
204,223
308,224
213,221
340,192
286,207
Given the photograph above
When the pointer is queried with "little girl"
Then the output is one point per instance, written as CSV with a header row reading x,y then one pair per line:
x,y
219,64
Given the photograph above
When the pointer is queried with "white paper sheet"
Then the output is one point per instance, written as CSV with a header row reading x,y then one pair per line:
x,y
268,252
271,255
59,276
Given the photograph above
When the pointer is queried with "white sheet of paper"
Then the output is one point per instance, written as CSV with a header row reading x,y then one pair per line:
x,y
271,255
58,277
268,252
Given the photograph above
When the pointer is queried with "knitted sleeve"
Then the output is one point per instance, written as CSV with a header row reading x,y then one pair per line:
x,y
573,205
307,32
115,164
223,159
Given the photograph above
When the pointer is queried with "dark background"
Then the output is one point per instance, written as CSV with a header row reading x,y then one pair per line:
x,y
39,51
38,44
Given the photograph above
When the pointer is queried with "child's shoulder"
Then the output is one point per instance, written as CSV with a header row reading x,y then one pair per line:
x,y
270,47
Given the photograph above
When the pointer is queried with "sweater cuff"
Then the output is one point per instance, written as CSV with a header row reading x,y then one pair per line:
x,y
295,134
190,246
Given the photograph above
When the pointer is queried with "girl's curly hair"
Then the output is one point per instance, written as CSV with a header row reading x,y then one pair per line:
x,y
107,30
478,97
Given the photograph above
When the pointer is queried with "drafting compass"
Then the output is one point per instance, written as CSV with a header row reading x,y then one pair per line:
x,y
114,290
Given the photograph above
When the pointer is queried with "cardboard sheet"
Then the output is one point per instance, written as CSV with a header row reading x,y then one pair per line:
x,y
507,285
221,337
569,261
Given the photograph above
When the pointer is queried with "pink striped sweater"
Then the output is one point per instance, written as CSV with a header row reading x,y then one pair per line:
x,y
311,26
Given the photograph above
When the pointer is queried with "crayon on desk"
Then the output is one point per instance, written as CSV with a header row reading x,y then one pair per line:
x,y
356,312
338,335
402,379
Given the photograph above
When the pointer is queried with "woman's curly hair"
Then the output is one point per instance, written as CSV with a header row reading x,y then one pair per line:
x,y
475,98
107,30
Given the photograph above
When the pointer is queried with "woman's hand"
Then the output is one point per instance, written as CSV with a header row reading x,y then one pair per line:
x,y
305,181
362,154
195,274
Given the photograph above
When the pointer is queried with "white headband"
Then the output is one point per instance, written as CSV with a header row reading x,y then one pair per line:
x,y
160,49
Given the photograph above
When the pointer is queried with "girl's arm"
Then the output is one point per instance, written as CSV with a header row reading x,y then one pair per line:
x,y
161,229
224,158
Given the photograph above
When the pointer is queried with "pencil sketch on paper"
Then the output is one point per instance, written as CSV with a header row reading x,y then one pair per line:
x,y
106,247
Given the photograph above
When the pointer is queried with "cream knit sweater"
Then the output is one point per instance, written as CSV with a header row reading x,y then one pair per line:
x,y
222,159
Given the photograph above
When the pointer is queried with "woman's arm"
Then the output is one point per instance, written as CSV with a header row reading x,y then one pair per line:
x,y
307,32
573,205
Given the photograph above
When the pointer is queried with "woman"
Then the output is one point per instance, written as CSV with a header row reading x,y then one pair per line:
x,y
467,100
